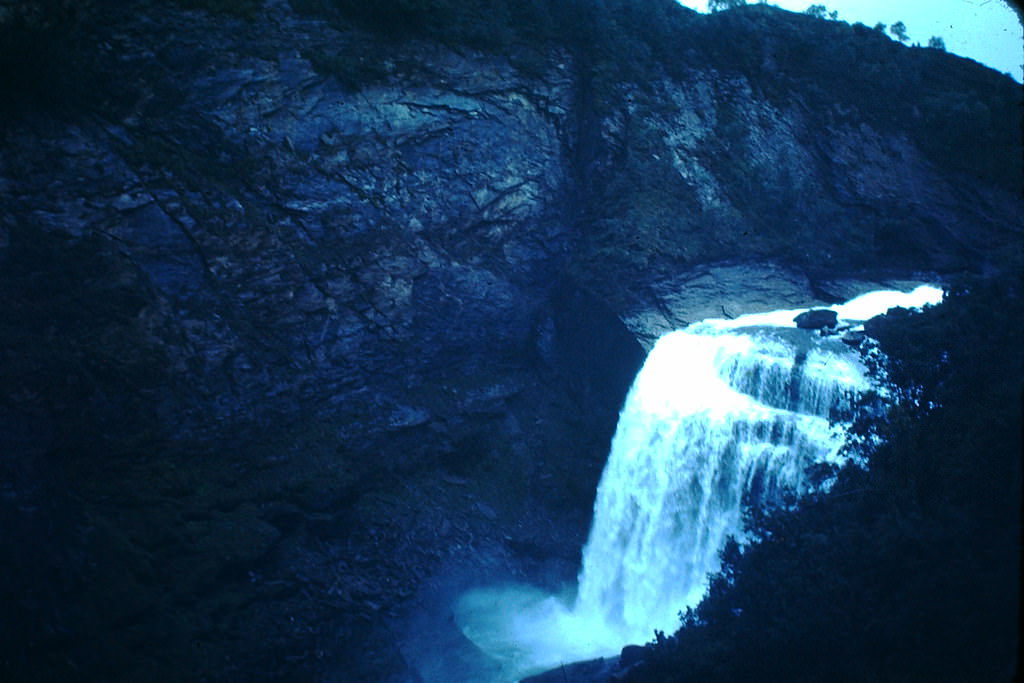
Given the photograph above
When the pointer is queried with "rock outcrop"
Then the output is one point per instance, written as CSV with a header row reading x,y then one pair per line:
x,y
298,313
816,319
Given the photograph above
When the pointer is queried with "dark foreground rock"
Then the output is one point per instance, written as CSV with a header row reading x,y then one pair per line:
x,y
601,669
853,337
578,672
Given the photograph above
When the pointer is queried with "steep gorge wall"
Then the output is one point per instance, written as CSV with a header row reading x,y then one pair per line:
x,y
298,313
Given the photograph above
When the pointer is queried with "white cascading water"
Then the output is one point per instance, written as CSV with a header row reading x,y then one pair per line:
x,y
723,413
714,415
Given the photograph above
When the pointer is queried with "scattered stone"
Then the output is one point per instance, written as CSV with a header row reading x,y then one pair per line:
x,y
403,417
816,318
487,511
128,201
854,337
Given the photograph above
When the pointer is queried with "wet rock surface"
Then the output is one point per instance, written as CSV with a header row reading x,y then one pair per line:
x,y
816,319
288,338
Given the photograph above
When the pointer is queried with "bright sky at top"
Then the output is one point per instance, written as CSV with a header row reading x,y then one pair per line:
x,y
987,31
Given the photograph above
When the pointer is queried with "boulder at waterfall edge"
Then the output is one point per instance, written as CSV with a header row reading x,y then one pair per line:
x,y
816,319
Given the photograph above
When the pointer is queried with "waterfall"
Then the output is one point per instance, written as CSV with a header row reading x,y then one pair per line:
x,y
723,414
717,417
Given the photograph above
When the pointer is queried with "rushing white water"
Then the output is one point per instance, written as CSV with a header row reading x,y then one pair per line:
x,y
714,415
723,413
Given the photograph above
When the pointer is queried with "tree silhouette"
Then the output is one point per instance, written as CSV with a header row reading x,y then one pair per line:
x,y
899,29
816,11
718,5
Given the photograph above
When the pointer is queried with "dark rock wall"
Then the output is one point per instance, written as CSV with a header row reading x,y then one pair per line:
x,y
296,315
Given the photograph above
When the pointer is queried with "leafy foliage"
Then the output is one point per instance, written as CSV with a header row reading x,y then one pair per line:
x,y
908,570
899,30
821,12
603,31
719,5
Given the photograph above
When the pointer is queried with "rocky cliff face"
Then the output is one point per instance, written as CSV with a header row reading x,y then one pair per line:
x,y
300,316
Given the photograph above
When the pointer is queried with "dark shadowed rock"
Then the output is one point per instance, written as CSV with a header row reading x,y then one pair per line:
x,y
816,319
717,290
853,337
630,655
578,672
